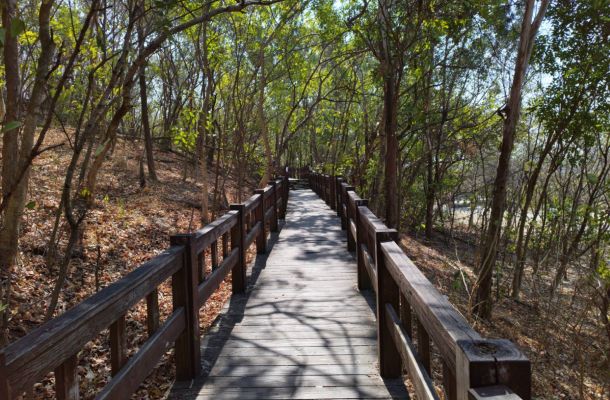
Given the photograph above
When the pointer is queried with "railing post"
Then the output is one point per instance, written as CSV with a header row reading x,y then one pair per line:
x,y
319,184
364,280
423,346
238,241
351,240
449,382
492,362
118,345
273,225
285,192
332,197
325,188
259,214
342,203
185,294
66,380
4,385
390,365
337,200
152,312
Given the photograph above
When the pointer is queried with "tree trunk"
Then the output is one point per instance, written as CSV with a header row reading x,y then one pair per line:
x,y
522,237
390,117
2,106
203,131
262,122
430,192
148,142
18,142
10,157
483,304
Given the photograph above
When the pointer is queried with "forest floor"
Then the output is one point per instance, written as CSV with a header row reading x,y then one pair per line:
x,y
562,337
129,225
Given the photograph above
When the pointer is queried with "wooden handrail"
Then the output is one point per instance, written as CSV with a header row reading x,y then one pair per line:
x,y
46,348
473,367
54,345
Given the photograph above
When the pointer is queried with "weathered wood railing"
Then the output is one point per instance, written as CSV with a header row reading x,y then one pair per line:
x,y
472,367
55,345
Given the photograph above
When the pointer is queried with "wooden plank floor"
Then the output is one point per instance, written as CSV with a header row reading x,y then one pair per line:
x,y
303,330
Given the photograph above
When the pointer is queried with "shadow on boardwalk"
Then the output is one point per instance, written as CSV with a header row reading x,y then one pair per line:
x,y
302,330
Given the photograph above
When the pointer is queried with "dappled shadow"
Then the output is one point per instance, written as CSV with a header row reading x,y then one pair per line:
x,y
302,329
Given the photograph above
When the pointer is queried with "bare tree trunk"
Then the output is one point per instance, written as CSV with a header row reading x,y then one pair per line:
x,y
522,237
64,270
18,141
483,304
148,143
390,100
203,130
2,106
203,170
10,157
429,146
521,247
262,122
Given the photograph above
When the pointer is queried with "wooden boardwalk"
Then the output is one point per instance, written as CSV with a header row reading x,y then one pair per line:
x,y
295,328
303,330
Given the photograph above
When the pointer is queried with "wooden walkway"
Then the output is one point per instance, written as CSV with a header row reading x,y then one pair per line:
x,y
303,330
296,328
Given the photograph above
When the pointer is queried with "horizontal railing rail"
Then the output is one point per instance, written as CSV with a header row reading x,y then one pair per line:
x,y
298,173
410,310
54,346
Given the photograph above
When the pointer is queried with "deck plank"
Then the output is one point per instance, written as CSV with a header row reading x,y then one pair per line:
x,y
303,330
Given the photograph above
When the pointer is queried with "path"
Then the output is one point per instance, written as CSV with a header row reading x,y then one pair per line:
x,y
303,331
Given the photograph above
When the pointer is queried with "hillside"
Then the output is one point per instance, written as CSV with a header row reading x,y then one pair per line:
x,y
127,226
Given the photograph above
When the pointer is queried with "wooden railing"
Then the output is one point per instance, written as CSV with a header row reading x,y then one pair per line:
x,y
55,345
298,173
472,367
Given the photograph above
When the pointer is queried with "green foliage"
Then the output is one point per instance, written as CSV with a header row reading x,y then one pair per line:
x,y
12,125
603,271
184,134
17,27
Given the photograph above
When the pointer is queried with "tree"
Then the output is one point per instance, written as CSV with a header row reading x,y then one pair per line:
x,y
511,113
148,140
18,136
572,106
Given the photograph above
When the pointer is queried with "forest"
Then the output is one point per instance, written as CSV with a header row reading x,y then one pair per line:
x,y
480,130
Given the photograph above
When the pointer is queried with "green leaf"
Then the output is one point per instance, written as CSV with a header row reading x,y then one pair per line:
x,y
84,193
9,126
31,205
17,27
100,148
1,36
